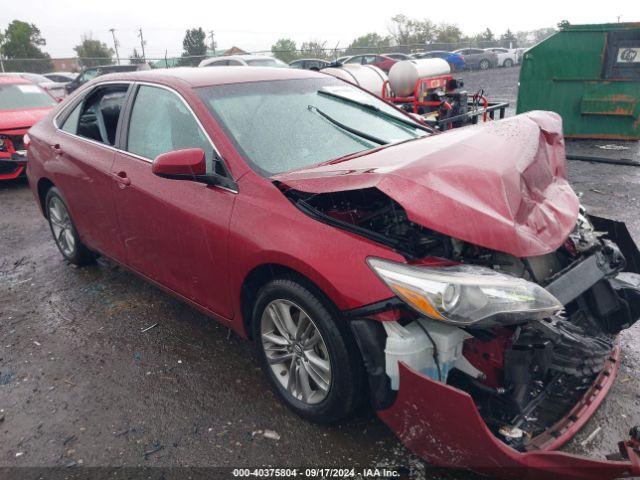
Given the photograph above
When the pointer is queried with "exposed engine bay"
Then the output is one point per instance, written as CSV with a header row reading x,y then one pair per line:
x,y
525,371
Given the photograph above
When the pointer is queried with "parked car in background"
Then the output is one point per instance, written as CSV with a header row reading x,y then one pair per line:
x,y
360,253
383,62
92,72
341,60
507,57
520,53
477,58
22,104
455,60
310,64
55,89
398,56
62,77
243,61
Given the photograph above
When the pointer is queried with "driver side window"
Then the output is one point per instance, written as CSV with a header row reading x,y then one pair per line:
x,y
161,122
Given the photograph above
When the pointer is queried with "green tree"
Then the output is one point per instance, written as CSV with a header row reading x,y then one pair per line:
x,y
450,34
194,47
136,58
371,42
563,24
409,31
285,49
542,33
313,49
20,45
93,52
508,39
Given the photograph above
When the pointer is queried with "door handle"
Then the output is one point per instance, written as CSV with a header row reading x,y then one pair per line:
x,y
122,179
57,148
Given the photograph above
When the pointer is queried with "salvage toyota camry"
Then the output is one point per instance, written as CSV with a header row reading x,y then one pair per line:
x,y
451,280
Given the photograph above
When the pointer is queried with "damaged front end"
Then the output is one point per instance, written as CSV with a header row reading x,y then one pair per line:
x,y
501,339
500,394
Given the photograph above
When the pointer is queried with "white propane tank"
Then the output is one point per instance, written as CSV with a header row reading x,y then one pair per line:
x,y
404,75
369,77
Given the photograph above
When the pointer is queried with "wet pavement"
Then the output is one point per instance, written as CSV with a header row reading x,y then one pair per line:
x,y
83,383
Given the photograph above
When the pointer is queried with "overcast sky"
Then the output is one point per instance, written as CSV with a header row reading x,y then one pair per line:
x,y
256,25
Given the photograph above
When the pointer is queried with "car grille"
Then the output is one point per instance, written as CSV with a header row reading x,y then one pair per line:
x,y
17,141
7,168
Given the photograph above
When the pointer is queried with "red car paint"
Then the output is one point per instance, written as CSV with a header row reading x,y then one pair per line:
x,y
14,124
202,242
476,184
442,425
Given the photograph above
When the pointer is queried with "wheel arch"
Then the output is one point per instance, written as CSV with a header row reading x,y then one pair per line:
x,y
260,276
43,186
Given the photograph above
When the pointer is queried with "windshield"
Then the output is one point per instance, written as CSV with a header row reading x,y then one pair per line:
x,y
265,62
23,96
289,124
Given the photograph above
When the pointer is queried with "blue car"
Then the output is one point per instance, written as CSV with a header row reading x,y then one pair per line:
x,y
455,60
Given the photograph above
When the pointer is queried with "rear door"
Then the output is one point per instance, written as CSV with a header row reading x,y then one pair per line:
x,y
175,231
84,154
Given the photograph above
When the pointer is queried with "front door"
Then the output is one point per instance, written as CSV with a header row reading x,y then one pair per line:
x,y
175,231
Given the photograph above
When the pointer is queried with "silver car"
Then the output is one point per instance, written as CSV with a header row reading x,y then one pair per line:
x,y
242,60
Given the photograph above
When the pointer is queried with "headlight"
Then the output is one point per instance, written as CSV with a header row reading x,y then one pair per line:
x,y
466,294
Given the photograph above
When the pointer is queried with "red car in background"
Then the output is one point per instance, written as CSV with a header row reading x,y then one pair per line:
x,y
452,280
22,104
383,62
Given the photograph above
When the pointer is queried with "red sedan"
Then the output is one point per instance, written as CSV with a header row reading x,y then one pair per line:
x,y
451,280
383,62
22,104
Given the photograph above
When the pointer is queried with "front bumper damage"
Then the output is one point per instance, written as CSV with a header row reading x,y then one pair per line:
x,y
13,159
443,424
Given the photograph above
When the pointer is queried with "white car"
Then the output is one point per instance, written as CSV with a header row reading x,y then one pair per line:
x,y
243,60
507,57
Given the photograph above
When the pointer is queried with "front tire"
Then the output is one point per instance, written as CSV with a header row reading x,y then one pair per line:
x,y
64,231
508,63
309,357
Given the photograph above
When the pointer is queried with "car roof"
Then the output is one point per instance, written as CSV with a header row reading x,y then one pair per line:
x,y
241,57
204,77
11,79
310,60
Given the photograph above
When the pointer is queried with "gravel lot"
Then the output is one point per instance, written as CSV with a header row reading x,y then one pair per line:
x,y
82,384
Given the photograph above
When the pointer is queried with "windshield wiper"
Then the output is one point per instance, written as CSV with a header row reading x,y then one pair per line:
x,y
376,110
347,128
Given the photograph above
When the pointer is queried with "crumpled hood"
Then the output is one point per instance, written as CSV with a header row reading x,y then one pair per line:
x,y
501,185
19,119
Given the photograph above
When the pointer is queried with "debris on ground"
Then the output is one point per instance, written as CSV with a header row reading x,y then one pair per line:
x,y
149,328
272,435
155,449
591,436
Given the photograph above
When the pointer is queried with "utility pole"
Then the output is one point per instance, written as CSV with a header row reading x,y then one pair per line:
x,y
213,42
144,57
115,43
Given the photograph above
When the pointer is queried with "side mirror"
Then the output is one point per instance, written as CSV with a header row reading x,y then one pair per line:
x,y
189,164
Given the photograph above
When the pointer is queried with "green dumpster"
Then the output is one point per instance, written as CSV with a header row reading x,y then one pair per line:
x,y
590,75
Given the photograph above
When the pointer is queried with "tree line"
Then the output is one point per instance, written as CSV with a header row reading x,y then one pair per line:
x,y
406,34
21,44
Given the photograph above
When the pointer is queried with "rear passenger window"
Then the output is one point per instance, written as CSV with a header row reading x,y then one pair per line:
x,y
70,125
161,122
98,119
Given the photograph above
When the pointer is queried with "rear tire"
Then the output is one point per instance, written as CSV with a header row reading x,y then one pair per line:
x,y
323,383
508,63
64,231
484,65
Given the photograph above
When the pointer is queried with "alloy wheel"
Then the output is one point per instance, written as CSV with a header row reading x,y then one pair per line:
x,y
62,227
296,351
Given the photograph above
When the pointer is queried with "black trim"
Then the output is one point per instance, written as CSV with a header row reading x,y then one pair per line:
x,y
371,338
374,308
